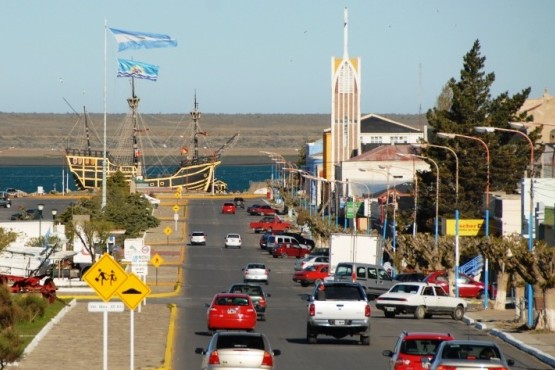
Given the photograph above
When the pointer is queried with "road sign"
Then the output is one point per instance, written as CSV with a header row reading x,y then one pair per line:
x,y
139,268
133,291
176,208
168,231
106,306
140,255
157,260
133,246
105,276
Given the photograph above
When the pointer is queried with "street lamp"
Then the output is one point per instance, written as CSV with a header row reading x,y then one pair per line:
x,y
486,212
40,207
529,292
457,245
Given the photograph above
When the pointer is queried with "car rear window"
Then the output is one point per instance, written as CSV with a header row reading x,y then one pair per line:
x,y
420,346
240,341
342,292
256,266
232,301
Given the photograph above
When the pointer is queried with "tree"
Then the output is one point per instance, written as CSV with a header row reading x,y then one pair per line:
x,y
6,238
11,345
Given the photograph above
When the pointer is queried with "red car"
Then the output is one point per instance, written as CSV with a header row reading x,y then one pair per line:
x,y
231,311
262,210
412,347
291,250
229,208
468,287
311,274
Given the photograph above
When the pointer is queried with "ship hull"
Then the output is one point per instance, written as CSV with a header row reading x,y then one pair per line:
x,y
87,170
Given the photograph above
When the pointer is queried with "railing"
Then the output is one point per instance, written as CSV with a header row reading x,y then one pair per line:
x,y
472,266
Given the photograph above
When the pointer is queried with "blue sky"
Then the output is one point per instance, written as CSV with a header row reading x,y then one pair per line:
x,y
256,56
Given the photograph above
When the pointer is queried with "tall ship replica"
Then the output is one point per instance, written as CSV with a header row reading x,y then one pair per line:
x,y
144,162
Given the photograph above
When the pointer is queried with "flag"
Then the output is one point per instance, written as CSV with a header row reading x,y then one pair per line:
x,y
132,68
139,40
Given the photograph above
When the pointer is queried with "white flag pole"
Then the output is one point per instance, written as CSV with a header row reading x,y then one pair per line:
x,y
103,205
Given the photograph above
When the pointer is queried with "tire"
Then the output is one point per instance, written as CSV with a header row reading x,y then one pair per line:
x,y
311,336
420,312
304,284
275,256
389,315
428,316
365,340
269,230
317,281
226,247
480,295
283,255
458,313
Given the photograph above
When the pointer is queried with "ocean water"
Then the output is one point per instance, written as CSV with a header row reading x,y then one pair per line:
x,y
51,178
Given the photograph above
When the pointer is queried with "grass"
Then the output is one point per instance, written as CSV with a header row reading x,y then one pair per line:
x,y
28,330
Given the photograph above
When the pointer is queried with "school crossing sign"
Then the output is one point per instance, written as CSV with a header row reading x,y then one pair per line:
x,y
105,277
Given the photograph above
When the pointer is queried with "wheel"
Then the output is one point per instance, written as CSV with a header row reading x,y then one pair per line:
x,y
304,284
269,230
428,316
283,255
420,312
275,255
364,340
317,281
311,336
480,295
389,315
266,282
458,314
226,247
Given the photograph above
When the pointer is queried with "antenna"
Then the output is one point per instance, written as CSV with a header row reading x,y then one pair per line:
x,y
419,89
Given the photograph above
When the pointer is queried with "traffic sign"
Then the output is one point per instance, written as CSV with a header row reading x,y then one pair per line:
x,y
105,306
168,231
105,276
139,268
133,291
157,260
176,208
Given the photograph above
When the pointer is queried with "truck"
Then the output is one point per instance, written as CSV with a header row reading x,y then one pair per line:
x,y
362,248
339,310
269,224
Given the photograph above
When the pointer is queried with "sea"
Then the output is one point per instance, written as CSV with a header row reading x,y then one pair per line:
x,y
52,178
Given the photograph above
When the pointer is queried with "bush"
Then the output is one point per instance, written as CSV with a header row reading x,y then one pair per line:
x,y
30,307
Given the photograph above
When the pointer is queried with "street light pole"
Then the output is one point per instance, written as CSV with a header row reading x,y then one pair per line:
x,y
40,207
529,292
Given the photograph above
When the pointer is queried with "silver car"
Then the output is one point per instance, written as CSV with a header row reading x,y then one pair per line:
x,y
256,272
233,240
238,350
467,354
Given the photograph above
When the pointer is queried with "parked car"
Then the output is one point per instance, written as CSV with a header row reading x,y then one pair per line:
x,y
410,276
231,311
269,224
311,260
198,237
412,347
302,240
5,201
468,354
29,214
233,240
290,250
238,350
228,208
13,192
420,299
314,274
262,210
257,294
239,202
251,208
373,278
256,272
468,287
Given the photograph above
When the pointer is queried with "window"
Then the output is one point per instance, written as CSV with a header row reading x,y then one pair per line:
x,y
240,341
372,273
344,270
440,292
361,273
383,274
428,291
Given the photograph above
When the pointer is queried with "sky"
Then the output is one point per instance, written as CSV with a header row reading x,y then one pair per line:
x,y
256,56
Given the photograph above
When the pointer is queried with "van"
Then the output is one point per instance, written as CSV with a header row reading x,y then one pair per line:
x,y
373,278
274,240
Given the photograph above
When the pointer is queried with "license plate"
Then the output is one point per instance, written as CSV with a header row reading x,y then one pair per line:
x,y
231,310
390,309
339,322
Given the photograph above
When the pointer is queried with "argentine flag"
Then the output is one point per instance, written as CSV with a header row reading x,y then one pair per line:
x,y
132,68
139,40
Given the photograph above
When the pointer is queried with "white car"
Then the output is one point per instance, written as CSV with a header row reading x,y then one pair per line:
x,y
311,261
238,350
233,240
198,237
256,272
420,299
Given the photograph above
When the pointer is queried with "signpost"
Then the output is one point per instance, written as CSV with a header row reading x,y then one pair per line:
x,y
168,232
156,261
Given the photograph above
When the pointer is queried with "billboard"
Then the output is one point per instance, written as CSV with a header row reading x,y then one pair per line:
x,y
467,227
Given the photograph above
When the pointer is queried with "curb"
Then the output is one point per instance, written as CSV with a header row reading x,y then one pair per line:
x,y
540,355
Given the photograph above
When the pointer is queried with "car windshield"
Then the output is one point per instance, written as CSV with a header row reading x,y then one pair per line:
x,y
420,346
240,341
470,352
344,270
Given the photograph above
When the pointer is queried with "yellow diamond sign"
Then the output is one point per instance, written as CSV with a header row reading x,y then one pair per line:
x,y
133,291
168,231
156,260
105,276
176,208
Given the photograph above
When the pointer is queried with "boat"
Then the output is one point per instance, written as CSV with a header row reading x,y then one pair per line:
x,y
183,168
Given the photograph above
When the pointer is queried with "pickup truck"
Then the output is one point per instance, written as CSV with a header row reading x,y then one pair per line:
x,y
420,299
269,224
338,310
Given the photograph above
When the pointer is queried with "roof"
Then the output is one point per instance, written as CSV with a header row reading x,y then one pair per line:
x,y
373,123
422,334
385,153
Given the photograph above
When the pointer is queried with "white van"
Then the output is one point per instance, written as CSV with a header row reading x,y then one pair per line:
x,y
275,240
373,278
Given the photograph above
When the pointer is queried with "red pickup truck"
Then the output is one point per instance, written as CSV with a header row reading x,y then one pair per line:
x,y
270,224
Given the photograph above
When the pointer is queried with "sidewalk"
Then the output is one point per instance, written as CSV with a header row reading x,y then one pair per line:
x,y
501,323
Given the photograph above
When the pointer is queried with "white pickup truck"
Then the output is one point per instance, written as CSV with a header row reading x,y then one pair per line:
x,y
338,309
420,299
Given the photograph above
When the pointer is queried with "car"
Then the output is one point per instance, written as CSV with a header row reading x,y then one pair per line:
x,y
233,240
311,260
256,272
262,210
269,224
410,276
314,274
228,208
468,354
239,202
231,311
238,350
468,287
13,192
290,250
302,240
412,347
257,294
251,208
264,239
198,238
423,300
5,201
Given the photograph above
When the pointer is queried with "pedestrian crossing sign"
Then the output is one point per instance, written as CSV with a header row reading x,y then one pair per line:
x,y
105,276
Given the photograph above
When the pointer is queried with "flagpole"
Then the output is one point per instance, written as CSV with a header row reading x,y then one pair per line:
x,y
105,110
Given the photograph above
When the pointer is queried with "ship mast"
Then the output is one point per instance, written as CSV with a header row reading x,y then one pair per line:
x,y
195,114
133,103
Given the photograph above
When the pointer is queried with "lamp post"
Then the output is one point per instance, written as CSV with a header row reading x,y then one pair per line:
x,y
436,239
54,213
529,292
40,207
